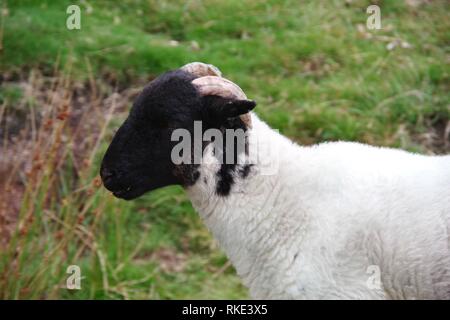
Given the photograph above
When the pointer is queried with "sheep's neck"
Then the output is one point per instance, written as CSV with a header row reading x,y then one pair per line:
x,y
249,222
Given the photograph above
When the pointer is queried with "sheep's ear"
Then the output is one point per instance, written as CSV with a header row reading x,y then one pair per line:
x,y
219,109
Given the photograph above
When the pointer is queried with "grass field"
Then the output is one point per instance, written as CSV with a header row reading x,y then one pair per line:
x,y
315,70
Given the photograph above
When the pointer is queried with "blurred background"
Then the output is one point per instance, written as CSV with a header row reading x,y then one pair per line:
x,y
316,71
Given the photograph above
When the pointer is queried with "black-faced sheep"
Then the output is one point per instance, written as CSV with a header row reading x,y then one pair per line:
x,y
335,220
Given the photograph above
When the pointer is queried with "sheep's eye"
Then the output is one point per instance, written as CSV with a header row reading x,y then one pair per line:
x,y
158,122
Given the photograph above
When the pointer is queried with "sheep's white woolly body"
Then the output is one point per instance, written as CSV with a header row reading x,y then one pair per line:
x,y
313,229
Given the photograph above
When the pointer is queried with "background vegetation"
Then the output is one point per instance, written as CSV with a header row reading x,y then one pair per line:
x,y
315,70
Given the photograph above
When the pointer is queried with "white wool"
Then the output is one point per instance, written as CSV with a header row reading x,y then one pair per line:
x,y
330,214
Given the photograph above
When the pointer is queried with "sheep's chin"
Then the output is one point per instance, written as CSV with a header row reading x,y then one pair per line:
x,y
132,193
129,193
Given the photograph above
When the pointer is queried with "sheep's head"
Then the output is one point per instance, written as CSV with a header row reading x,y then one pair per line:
x,y
139,157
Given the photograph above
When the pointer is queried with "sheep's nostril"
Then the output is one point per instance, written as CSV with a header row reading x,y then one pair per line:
x,y
107,174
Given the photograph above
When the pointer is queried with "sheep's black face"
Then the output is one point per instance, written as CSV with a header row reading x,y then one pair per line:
x,y
139,157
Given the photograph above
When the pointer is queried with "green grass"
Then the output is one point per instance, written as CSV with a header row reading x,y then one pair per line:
x,y
297,59
315,71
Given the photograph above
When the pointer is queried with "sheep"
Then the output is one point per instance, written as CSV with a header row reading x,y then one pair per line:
x,y
337,220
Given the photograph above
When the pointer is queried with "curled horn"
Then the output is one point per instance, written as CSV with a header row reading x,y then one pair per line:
x,y
201,69
218,86
210,82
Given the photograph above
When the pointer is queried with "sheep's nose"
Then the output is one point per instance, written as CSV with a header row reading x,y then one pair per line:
x,y
107,174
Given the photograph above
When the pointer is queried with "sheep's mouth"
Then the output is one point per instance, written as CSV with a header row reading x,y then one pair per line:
x,y
133,191
126,194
